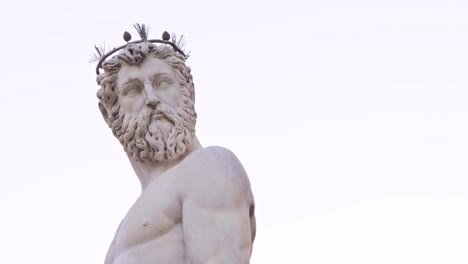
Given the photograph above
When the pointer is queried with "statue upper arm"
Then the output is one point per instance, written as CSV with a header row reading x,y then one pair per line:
x,y
111,252
218,210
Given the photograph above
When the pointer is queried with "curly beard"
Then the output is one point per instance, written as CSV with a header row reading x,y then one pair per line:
x,y
164,133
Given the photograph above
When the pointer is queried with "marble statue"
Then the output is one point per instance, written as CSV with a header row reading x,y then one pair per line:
x,y
196,204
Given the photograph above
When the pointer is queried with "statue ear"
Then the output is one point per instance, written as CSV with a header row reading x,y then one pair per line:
x,y
104,113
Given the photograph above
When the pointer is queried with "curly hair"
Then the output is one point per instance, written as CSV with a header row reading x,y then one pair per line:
x,y
134,54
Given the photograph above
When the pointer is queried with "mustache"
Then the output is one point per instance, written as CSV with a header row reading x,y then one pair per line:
x,y
161,112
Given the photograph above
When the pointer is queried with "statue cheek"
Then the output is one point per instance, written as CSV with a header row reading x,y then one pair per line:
x,y
137,105
132,105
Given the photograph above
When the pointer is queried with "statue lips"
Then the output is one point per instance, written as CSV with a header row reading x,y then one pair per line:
x,y
158,116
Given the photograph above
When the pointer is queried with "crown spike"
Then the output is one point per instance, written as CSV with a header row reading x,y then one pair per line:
x,y
142,30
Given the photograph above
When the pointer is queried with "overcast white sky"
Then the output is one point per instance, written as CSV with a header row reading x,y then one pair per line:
x,y
349,116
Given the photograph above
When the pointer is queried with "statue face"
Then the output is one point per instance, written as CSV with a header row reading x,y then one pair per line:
x,y
151,83
157,118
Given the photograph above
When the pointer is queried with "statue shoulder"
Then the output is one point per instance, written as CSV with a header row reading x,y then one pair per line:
x,y
217,173
215,159
218,152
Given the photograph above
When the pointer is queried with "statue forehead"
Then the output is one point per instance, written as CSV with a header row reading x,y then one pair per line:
x,y
149,67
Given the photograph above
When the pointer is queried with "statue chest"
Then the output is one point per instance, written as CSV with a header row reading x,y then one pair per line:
x,y
154,218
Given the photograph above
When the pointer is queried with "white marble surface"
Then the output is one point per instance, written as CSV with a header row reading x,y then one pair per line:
x,y
196,204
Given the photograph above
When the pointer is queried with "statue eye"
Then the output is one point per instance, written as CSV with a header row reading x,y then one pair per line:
x,y
132,91
163,83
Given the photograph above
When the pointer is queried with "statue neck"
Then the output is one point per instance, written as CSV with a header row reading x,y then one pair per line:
x,y
148,171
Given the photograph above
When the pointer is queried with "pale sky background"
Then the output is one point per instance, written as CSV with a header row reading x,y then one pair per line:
x,y
350,118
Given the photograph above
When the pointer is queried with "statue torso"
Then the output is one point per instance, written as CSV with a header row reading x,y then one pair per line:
x,y
152,230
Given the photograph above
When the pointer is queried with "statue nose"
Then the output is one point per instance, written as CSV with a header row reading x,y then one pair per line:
x,y
152,98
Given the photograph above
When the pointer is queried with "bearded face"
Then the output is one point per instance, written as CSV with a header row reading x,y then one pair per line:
x,y
156,116
157,134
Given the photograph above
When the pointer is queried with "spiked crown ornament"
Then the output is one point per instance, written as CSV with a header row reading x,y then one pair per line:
x,y
177,44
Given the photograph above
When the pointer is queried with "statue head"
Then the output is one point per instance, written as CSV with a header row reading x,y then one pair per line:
x,y
147,98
